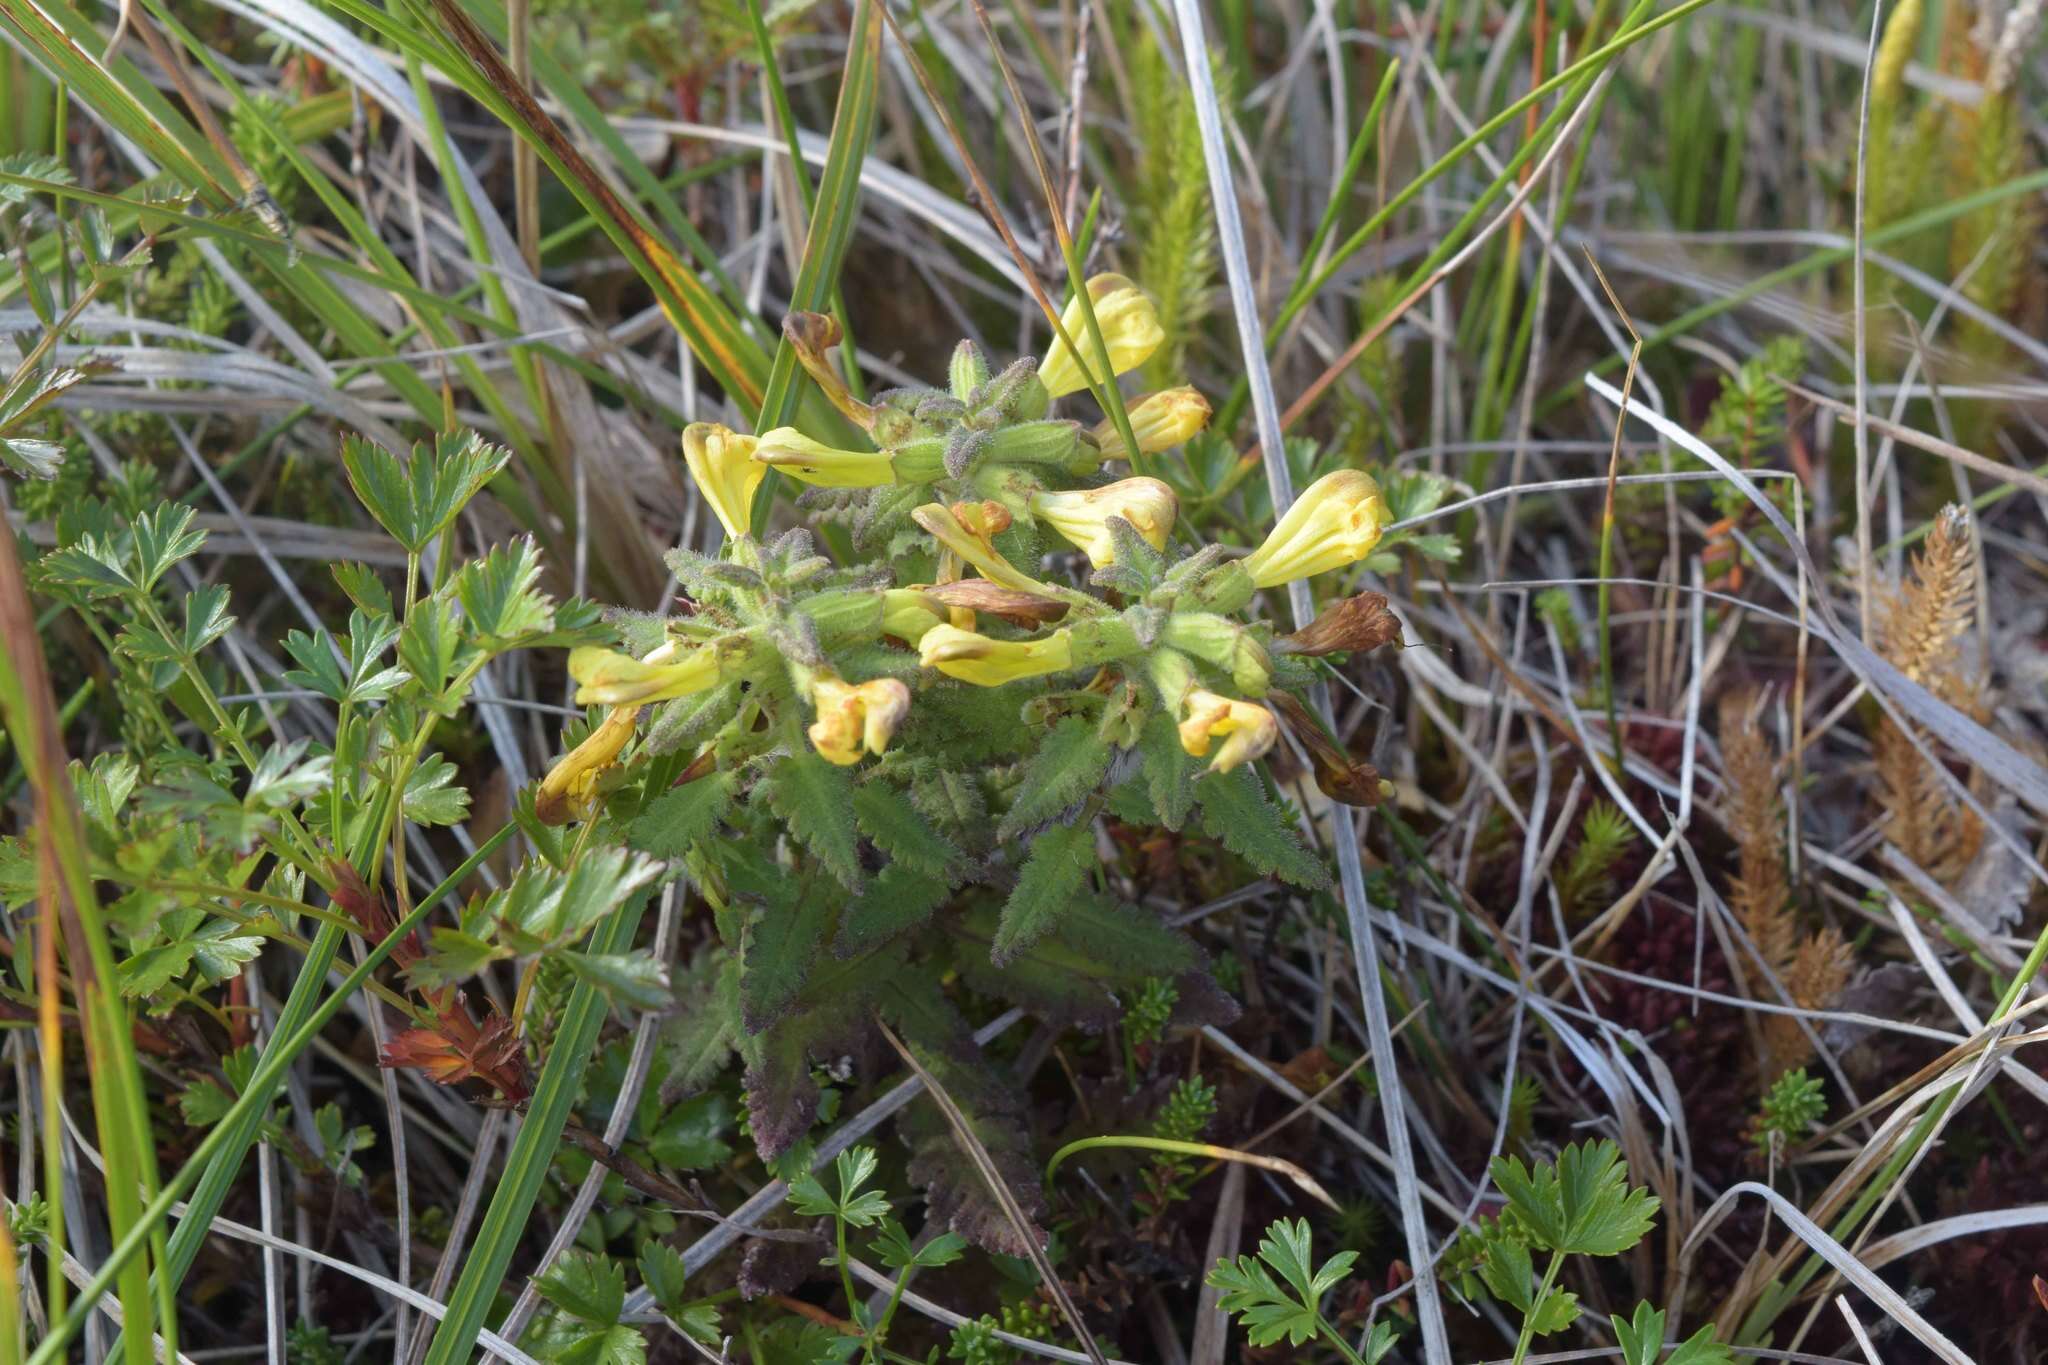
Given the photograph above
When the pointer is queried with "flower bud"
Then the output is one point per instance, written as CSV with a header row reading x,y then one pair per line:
x,y
856,718
1083,516
609,678
569,791
1248,730
1160,421
1336,521
984,662
721,461
1130,329
797,455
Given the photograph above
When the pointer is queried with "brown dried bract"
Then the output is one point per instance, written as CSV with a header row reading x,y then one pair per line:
x,y
368,910
1352,626
1339,776
1019,608
455,1050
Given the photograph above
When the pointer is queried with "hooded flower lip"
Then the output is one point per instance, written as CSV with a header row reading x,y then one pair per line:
x,y
1130,329
967,530
814,462
721,461
856,718
1336,521
984,662
569,791
1083,516
1247,729
1160,421
609,678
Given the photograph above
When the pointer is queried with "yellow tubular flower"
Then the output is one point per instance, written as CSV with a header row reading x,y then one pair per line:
x,y
907,614
569,791
609,678
990,663
1130,328
1336,521
721,461
1248,730
1160,421
797,455
967,530
1083,516
856,718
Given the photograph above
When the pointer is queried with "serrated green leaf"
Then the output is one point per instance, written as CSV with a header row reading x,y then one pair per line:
x,y
1236,813
161,537
1582,1203
815,800
663,1272
1168,770
31,458
152,969
1068,766
897,899
691,1135
1074,974
551,908
896,828
632,979
430,799
672,823
586,1286
1511,1277
1701,1349
782,940
499,601
1056,869
1642,1339
416,501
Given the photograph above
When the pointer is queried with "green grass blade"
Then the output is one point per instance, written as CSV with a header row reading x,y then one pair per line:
x,y
120,1109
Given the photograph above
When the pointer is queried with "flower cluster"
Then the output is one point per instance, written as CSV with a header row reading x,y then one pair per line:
x,y
968,477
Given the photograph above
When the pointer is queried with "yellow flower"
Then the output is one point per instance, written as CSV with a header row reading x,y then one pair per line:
x,y
721,461
1083,516
1248,730
569,791
856,718
968,530
990,663
796,454
1130,329
1336,521
1160,421
609,678
908,614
